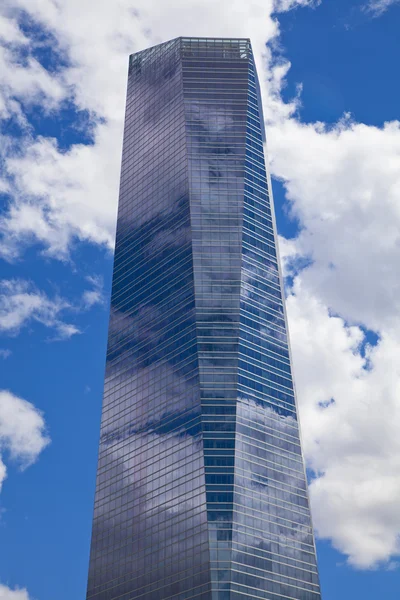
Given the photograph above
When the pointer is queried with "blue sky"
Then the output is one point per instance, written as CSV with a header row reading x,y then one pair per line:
x,y
330,90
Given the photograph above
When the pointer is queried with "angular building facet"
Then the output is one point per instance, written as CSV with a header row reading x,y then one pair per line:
x,y
201,490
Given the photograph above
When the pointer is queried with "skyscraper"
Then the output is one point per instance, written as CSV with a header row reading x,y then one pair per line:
x,y
201,490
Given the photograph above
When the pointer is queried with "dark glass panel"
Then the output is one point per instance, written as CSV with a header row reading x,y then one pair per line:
x,y
201,491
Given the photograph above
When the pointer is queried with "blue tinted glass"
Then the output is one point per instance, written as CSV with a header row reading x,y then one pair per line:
x,y
201,492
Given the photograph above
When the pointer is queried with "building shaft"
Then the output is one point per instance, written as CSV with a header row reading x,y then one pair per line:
x,y
201,490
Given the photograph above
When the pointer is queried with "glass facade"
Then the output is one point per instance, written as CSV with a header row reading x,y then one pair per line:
x,y
201,490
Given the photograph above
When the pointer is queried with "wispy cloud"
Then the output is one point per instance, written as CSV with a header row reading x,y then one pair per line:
x,y
378,7
94,296
21,303
5,353
285,5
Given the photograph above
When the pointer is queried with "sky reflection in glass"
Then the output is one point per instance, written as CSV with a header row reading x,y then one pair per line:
x,y
201,491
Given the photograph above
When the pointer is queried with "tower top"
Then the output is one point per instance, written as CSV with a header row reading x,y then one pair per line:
x,y
220,47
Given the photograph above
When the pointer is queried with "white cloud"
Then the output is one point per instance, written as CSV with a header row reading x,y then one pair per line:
x,y
343,184
10,31
22,431
7,593
344,188
285,5
5,353
23,78
95,295
351,417
58,196
21,303
98,55
378,7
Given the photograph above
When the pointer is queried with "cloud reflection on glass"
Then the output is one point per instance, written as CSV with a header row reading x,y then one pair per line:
x,y
201,491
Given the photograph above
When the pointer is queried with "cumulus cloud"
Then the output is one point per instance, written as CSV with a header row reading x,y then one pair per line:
x,y
342,183
351,416
57,195
7,593
23,433
23,78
